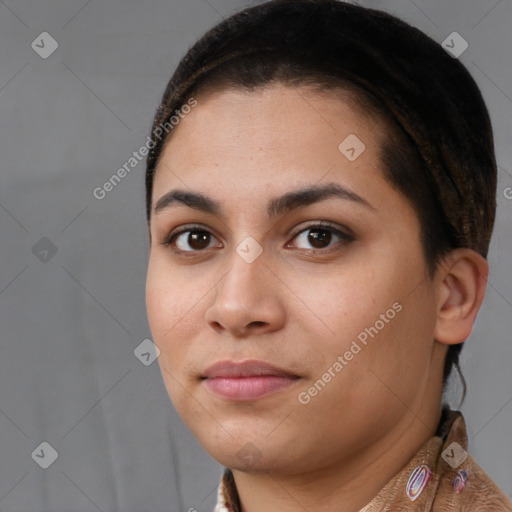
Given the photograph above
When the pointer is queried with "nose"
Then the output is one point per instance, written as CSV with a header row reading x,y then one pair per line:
x,y
247,300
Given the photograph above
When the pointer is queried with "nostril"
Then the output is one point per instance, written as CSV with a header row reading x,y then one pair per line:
x,y
216,326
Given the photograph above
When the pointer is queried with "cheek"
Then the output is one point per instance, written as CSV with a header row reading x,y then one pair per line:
x,y
160,300
169,312
375,309
174,308
343,303
395,362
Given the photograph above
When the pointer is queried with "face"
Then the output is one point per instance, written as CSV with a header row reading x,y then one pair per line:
x,y
291,308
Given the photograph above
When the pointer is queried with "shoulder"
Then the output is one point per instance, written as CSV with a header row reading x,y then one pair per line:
x,y
470,489
464,486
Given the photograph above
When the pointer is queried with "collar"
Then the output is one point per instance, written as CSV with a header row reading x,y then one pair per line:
x,y
440,476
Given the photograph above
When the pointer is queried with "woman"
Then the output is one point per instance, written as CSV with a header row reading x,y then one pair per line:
x,y
320,200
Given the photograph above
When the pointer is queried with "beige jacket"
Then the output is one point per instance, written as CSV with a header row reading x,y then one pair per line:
x,y
441,477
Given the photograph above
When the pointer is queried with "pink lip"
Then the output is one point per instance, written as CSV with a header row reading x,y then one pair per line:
x,y
247,380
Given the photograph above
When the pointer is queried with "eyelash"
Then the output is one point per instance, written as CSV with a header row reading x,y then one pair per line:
x,y
322,225
329,227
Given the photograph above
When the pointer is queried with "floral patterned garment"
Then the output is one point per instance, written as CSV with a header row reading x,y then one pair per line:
x,y
441,477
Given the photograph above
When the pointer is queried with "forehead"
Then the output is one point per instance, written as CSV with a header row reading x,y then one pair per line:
x,y
273,129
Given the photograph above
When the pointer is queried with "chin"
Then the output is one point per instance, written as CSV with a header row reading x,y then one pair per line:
x,y
248,459
248,451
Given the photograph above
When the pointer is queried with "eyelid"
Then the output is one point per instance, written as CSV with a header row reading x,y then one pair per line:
x,y
341,232
169,239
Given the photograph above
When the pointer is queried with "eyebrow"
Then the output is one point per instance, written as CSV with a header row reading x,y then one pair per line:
x,y
276,206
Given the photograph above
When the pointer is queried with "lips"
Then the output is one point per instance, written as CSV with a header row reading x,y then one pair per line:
x,y
244,369
247,380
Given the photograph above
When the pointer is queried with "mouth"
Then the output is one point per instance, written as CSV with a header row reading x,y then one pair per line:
x,y
247,380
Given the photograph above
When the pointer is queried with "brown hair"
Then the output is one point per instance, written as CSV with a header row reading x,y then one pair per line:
x,y
439,150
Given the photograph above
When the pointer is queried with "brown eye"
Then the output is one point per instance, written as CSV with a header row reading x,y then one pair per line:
x,y
321,237
192,240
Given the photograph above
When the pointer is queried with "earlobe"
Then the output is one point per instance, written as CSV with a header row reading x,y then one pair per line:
x,y
462,280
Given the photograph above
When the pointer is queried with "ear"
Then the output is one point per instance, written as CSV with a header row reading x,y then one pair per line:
x,y
462,279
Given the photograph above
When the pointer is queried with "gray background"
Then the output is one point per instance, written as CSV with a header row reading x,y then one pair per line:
x,y
70,321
